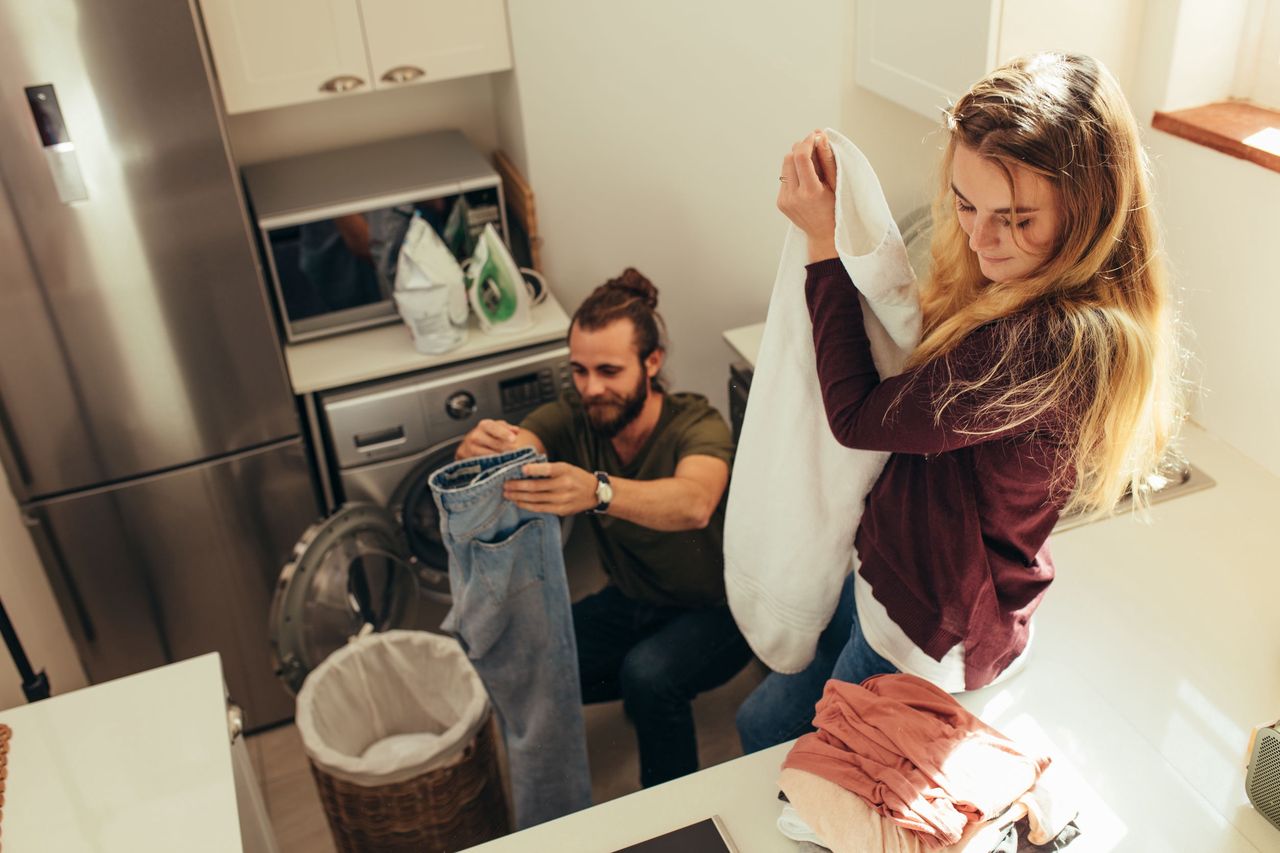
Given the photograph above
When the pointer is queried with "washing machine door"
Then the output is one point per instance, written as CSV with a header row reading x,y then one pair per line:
x,y
350,574
413,505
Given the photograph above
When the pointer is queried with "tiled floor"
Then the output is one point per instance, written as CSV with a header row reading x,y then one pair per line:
x,y
289,791
294,805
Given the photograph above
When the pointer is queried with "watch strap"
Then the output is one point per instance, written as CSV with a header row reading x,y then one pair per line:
x,y
604,493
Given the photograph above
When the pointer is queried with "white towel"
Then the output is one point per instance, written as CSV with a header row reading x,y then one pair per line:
x,y
797,494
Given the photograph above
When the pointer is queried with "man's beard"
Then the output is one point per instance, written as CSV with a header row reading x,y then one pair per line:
x,y
610,414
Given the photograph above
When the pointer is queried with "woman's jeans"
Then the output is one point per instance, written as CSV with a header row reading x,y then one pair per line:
x,y
511,614
656,660
782,707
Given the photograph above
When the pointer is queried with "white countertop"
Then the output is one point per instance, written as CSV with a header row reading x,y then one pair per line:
x,y
1156,650
388,350
134,765
745,340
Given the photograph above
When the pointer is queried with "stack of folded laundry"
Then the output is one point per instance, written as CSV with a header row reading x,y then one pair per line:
x,y
897,765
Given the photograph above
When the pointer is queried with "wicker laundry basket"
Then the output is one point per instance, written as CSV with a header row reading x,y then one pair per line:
x,y
449,808
404,746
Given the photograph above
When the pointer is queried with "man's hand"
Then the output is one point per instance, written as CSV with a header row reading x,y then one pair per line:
x,y
556,487
488,437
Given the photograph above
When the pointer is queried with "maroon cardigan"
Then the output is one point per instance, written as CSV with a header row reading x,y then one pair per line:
x,y
953,540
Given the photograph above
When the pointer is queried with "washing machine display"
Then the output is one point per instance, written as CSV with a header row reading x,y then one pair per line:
x,y
528,391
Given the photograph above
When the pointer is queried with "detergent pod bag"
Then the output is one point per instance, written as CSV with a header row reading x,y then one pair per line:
x,y
496,288
431,291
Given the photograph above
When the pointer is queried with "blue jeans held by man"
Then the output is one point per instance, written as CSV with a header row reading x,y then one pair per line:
x,y
656,660
511,614
781,707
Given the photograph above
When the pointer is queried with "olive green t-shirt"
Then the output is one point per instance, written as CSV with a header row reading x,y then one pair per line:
x,y
682,568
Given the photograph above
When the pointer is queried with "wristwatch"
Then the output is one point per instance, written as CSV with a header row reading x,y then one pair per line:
x,y
604,493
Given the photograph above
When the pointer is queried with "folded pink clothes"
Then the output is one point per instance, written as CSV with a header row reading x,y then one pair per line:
x,y
844,823
914,755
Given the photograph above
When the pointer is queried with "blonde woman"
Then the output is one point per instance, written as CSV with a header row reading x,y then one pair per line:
x,y
1042,384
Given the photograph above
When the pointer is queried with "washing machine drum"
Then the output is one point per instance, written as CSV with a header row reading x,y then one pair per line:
x,y
364,568
350,574
414,507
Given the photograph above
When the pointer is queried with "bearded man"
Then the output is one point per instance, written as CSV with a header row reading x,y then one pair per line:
x,y
651,469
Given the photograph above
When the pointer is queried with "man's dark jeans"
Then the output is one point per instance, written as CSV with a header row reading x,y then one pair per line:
x,y
656,659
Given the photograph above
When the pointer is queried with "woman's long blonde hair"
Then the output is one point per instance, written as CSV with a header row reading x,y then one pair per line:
x,y
1101,301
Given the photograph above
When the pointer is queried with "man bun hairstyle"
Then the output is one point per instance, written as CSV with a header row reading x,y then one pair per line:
x,y
633,297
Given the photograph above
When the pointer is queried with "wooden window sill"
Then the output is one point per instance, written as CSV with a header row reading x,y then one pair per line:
x,y
1233,127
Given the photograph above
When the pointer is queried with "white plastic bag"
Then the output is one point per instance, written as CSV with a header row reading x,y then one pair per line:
x,y
431,291
388,707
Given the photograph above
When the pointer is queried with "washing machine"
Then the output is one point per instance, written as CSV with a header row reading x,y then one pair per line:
x,y
378,562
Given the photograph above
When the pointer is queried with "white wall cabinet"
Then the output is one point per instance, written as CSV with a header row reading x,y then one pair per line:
x,y
272,54
923,55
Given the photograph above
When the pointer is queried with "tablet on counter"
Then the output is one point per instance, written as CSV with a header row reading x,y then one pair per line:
x,y
705,836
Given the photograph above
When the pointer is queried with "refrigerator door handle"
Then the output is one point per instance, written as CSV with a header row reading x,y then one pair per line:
x,y
59,150
51,554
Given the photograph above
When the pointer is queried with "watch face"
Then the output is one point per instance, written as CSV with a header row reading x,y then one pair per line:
x,y
604,494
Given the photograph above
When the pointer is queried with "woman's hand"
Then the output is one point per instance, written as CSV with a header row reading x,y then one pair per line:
x,y
807,195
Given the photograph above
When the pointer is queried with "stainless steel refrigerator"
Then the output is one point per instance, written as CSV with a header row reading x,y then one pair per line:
x,y
146,423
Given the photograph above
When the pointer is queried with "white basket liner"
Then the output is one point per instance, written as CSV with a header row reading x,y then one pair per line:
x,y
390,685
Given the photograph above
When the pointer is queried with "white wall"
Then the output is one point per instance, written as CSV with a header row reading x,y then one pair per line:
x,y
1219,215
1203,54
652,137
1107,30
1220,218
29,602
464,104
904,147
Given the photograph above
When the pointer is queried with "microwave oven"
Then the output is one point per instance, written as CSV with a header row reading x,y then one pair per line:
x,y
330,224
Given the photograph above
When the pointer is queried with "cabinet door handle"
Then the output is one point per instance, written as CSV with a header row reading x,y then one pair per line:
x,y
341,83
403,74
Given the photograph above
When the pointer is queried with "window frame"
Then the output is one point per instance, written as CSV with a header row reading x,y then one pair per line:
x,y
1257,77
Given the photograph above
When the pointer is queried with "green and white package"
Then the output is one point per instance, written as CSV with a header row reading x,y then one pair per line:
x,y
496,288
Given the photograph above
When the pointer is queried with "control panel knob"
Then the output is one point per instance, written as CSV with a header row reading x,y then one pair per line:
x,y
460,405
